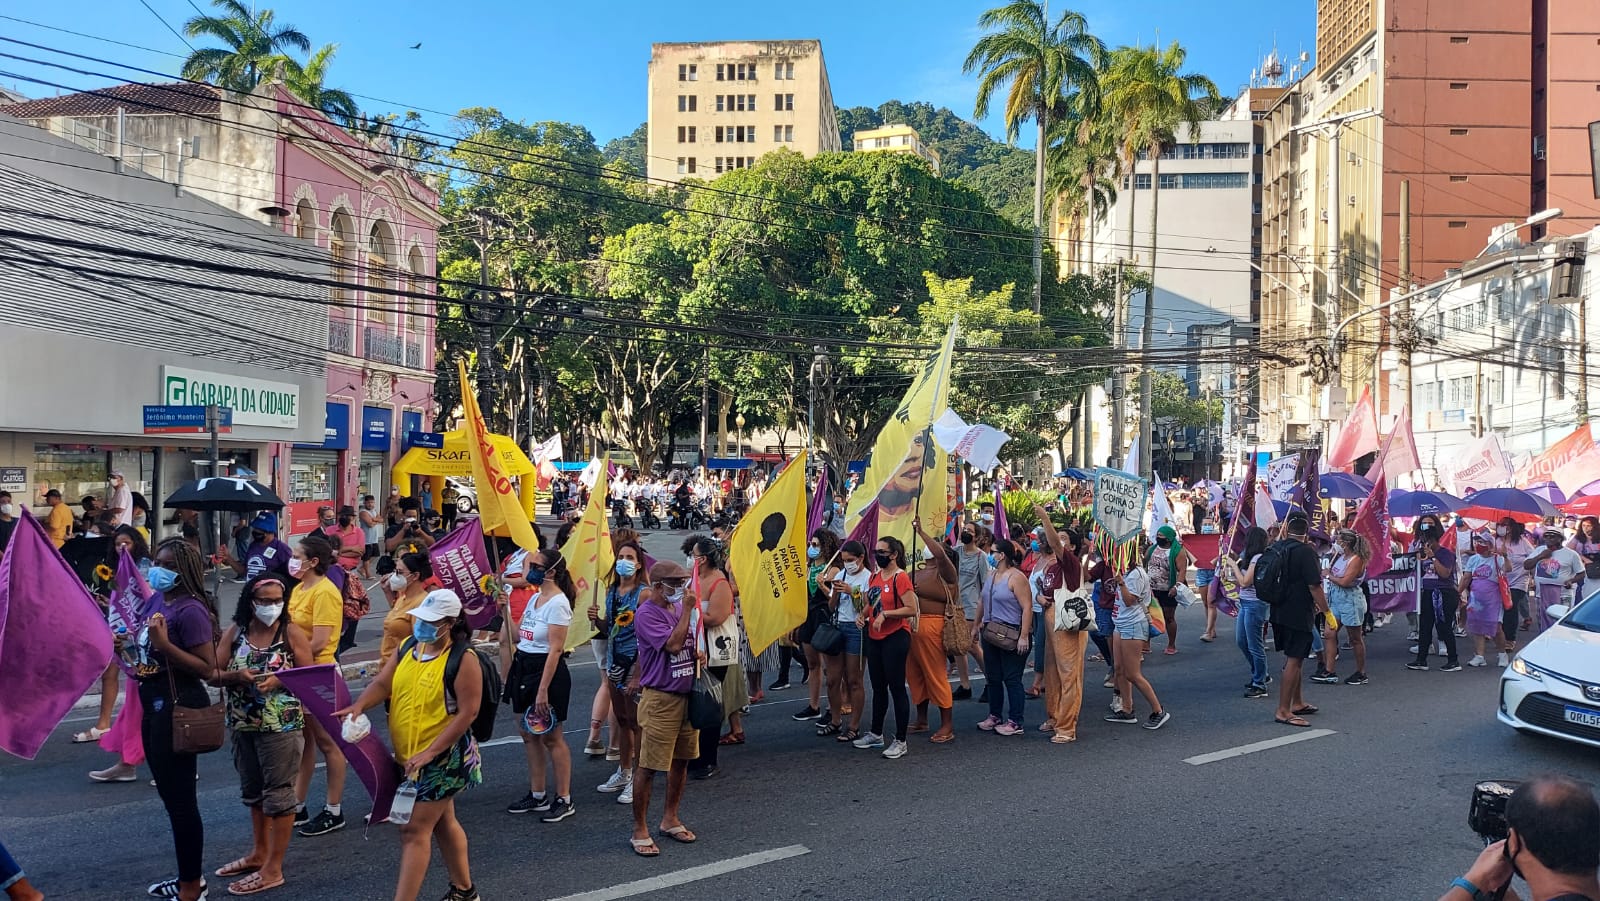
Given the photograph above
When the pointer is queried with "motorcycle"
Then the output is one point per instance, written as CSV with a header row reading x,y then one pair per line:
x,y
647,514
619,513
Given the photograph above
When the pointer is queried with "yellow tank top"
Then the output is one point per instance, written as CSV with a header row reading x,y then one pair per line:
x,y
416,703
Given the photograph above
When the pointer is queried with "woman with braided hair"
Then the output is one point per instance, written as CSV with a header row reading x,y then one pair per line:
x,y
175,654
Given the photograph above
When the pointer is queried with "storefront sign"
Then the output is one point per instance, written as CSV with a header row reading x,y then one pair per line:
x,y
13,478
186,420
425,439
375,422
254,401
335,427
410,421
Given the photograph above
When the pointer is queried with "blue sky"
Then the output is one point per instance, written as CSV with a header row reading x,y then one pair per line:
x,y
585,62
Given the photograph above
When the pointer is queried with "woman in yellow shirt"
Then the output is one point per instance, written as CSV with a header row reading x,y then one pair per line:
x,y
316,607
435,747
405,588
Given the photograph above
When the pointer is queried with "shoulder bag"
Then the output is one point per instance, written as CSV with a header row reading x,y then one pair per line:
x,y
705,702
722,642
196,730
1072,609
1002,635
827,638
956,637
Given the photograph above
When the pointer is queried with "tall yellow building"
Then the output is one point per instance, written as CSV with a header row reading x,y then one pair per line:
x,y
716,107
895,139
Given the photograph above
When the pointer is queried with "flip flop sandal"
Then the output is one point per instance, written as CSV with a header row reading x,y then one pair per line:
x,y
917,728
92,735
1295,721
238,868
1063,739
829,729
1033,694
252,884
645,847
942,738
732,738
681,834
1307,710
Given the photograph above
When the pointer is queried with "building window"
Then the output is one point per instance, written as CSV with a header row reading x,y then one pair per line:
x,y
341,234
783,71
1212,180
783,102
1458,132
1141,181
688,72
687,103
305,221
1458,86
719,136
686,134
380,257
721,68
750,102
783,134
683,165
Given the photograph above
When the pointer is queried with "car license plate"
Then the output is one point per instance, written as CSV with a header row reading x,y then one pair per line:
x,y
1584,717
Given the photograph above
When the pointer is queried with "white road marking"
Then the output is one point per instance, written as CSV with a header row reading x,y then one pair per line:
x,y
692,874
1253,747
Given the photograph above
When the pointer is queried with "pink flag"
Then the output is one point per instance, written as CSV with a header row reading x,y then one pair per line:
x,y
1399,454
321,690
54,641
1372,523
821,501
1542,469
461,564
1357,437
129,594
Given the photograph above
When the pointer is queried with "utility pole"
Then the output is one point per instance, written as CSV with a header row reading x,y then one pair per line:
x,y
1147,331
1583,358
480,312
1118,383
819,359
1403,342
705,409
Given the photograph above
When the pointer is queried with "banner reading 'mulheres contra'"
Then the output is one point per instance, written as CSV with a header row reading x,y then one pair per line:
x,y
321,690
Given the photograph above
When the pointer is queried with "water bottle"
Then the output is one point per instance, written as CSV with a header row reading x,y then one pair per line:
x,y
405,797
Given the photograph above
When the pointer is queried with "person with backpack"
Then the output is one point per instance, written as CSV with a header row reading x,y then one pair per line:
x,y
435,746
268,725
1250,631
538,678
1288,576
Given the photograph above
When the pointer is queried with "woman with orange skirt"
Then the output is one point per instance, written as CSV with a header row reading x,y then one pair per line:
x,y
937,583
1063,676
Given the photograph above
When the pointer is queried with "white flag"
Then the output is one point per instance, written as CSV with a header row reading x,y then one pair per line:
x,y
978,444
547,450
1160,510
590,473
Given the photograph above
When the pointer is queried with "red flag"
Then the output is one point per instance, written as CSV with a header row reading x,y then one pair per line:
x,y
1372,523
1542,469
1399,453
1357,437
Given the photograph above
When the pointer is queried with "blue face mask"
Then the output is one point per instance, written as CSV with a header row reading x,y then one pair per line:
x,y
625,568
535,575
992,558
813,553
1034,545
424,632
161,579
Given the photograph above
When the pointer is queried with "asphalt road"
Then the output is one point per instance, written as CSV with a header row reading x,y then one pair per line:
x,y
1376,809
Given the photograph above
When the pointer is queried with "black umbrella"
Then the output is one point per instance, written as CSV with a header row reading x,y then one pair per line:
x,y
84,553
218,493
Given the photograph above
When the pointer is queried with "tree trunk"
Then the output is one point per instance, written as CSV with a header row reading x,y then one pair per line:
x,y
1038,212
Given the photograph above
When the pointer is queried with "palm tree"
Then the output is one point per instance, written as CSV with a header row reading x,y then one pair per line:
x,y
306,83
1081,168
1147,93
253,45
1042,63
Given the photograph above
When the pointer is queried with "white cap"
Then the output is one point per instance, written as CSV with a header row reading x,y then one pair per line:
x,y
441,603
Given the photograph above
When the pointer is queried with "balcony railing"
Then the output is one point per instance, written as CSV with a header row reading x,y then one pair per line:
x,y
414,354
341,336
384,348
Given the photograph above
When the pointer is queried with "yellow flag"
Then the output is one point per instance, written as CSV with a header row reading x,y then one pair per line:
x,y
768,556
908,473
590,559
498,506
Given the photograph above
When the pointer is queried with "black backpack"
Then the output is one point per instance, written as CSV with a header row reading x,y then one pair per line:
x,y
489,705
1271,569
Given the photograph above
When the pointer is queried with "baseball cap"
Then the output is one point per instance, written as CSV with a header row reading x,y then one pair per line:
x,y
265,522
441,603
666,570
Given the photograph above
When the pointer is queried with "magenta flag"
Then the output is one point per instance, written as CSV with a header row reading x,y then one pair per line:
x,y
1244,511
461,564
866,531
1372,523
1002,528
821,501
54,641
321,690
125,607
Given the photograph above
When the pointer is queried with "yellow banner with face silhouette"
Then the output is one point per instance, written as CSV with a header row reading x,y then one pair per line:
x,y
767,554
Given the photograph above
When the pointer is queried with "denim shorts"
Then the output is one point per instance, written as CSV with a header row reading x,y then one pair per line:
x,y
852,638
1348,604
1133,628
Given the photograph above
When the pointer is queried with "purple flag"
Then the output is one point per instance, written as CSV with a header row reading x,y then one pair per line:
x,y
321,690
125,607
1244,511
461,564
866,531
1002,529
54,641
821,501
1307,493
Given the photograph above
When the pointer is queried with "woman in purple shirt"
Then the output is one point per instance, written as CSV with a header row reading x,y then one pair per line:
x,y
1440,598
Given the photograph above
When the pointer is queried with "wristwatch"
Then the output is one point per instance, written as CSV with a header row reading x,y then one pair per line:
x,y
1466,885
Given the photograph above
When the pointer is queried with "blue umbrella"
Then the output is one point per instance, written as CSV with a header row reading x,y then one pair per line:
x,y
1345,486
1419,503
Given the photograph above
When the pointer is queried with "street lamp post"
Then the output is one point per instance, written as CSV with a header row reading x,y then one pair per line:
x,y
738,446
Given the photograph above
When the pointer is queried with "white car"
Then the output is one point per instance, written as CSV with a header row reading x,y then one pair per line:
x,y
1552,686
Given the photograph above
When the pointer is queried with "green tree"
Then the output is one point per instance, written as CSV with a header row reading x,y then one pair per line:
x,y
630,149
253,44
307,79
1042,63
1148,95
1171,403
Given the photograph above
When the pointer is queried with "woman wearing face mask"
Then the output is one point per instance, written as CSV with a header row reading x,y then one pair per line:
x,y
348,531
173,653
434,747
267,723
1587,543
1034,564
847,695
711,589
1513,544
406,586
624,592
316,607
1439,596
354,594
1168,567
927,672
891,605
833,520
1480,586
821,567
1342,582
538,678
122,738
1003,605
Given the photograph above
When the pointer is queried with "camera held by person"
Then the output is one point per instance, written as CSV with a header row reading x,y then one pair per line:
x,y
1545,830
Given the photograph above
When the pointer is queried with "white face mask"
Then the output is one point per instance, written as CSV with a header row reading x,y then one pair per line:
x,y
853,568
8,510
397,582
268,613
1500,530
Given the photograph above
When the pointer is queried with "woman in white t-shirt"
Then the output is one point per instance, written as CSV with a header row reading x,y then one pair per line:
x,y
1131,635
538,685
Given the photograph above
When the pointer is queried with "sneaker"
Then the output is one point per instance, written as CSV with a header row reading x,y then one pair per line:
x,y
613,755
1123,717
1157,720
1116,705
530,803
301,816
868,740
1009,727
1420,666
1503,661
1268,682
1413,648
626,795
779,686
1451,667
560,810
168,888
594,749
1443,651
810,713
1356,679
117,772
1111,682
961,694
896,750
1319,673
989,723
1461,631
470,893
1477,661
323,823
618,781
1412,635
1326,678
1255,691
